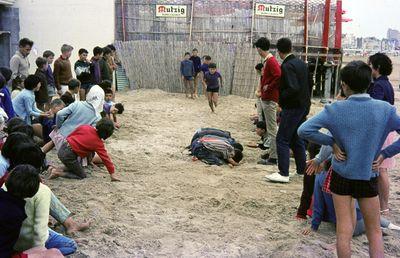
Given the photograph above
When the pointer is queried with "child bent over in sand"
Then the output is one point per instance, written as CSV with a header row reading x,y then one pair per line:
x,y
213,80
82,143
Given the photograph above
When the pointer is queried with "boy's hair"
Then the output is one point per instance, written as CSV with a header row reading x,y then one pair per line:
x,y
262,43
23,182
120,108
111,46
13,122
259,67
195,49
261,125
238,146
97,51
25,42
40,61
207,57
73,84
56,103
105,84
24,128
82,51
6,72
31,82
187,53
238,155
382,63
108,90
66,48
284,45
212,65
3,81
28,153
106,50
105,128
48,53
357,75
14,140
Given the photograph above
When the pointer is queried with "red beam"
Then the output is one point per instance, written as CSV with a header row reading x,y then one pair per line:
x,y
338,20
325,34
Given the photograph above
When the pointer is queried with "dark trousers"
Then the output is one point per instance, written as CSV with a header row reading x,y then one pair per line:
x,y
287,139
70,159
308,183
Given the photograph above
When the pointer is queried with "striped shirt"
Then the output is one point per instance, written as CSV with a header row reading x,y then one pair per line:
x,y
218,145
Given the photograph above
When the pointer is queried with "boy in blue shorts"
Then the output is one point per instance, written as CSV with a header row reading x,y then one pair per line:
x,y
212,80
187,73
359,127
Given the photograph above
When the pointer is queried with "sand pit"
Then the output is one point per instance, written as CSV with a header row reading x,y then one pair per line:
x,y
169,206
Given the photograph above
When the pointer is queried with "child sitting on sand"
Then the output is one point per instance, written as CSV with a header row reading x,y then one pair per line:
x,y
22,183
69,96
82,142
34,231
213,80
111,108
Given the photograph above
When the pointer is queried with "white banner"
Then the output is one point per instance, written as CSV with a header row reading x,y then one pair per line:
x,y
171,11
272,10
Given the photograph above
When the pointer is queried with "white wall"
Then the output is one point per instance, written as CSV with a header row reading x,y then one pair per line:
x,y
80,23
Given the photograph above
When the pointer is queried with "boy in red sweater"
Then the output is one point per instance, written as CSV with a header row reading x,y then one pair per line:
x,y
269,89
82,142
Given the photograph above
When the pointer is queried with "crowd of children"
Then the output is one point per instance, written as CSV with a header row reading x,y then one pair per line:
x,y
50,109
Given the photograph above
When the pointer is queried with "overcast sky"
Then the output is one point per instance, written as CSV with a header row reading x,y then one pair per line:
x,y
371,17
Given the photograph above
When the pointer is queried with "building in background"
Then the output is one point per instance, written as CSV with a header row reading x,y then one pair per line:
x,y
51,23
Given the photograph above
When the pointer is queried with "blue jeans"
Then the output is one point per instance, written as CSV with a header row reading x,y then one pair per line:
x,y
287,139
66,245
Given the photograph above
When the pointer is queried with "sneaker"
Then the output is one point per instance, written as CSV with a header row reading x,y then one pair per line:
x,y
262,162
278,178
272,161
264,156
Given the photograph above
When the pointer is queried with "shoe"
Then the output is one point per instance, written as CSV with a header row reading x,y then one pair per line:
x,y
262,162
271,161
264,156
278,178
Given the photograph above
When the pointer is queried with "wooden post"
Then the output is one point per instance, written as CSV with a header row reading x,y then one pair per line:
x,y
252,22
338,24
327,14
191,21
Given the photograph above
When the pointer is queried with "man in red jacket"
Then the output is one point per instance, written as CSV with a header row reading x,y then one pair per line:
x,y
269,88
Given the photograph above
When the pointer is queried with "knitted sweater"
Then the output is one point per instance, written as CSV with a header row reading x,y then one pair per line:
x,y
359,126
62,72
34,231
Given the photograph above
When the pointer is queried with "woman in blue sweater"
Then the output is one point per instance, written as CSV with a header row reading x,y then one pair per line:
x,y
359,127
382,89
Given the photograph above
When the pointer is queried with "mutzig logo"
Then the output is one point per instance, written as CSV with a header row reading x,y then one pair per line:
x,y
161,9
261,7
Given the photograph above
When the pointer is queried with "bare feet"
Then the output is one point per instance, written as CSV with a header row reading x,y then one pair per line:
x,y
72,226
53,173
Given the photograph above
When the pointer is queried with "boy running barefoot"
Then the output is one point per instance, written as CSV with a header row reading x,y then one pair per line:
x,y
212,80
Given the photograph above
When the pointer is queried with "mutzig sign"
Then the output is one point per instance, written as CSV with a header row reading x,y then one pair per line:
x,y
272,10
171,11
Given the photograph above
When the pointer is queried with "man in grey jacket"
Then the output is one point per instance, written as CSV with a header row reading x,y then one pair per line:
x,y
19,63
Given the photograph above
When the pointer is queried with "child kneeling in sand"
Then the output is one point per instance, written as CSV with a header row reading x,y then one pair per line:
x,y
82,142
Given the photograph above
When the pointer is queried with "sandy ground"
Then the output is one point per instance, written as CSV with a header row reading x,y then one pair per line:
x,y
170,206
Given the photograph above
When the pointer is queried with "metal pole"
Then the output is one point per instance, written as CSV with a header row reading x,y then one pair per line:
x,y
123,20
306,28
252,23
338,24
191,22
325,35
